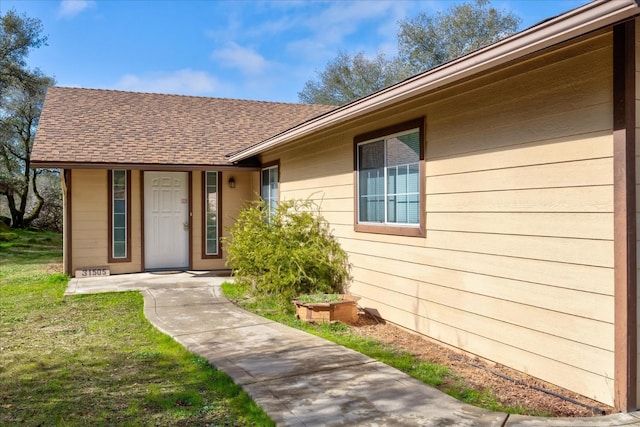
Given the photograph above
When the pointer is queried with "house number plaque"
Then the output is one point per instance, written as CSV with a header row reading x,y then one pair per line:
x,y
93,272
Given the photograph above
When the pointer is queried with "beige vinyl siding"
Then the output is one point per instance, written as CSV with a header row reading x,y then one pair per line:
x,y
517,262
90,221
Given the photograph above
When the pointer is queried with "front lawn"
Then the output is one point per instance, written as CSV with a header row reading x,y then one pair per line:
x,y
95,359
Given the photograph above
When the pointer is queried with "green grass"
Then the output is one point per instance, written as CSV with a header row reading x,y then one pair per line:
x,y
319,298
432,374
95,359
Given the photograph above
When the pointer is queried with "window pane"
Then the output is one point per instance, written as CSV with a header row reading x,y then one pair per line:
x,y
211,213
389,179
404,149
401,209
371,191
212,246
119,250
413,209
212,181
371,181
119,207
273,188
119,234
119,213
391,209
119,220
413,180
212,232
119,194
269,190
265,184
274,195
403,174
371,155
392,180
119,179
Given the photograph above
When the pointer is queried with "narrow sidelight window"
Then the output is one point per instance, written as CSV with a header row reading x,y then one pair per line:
x,y
211,209
119,221
269,189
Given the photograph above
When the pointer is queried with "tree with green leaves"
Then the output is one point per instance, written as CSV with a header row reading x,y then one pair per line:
x,y
347,77
22,92
424,41
19,117
19,34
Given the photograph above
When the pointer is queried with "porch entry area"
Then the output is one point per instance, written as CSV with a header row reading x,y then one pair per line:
x,y
166,220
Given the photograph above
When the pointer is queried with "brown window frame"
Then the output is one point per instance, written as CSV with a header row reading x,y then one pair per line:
x,y
401,230
204,215
111,258
270,165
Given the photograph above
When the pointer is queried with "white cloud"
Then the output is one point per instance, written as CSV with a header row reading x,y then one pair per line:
x,y
71,8
183,82
247,60
332,29
344,18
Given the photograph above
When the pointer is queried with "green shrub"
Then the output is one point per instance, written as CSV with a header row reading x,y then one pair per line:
x,y
289,254
7,236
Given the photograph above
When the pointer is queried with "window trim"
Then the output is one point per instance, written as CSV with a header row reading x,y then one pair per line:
x,y
398,230
270,165
111,258
204,253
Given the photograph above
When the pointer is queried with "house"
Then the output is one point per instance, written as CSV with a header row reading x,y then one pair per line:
x,y
489,203
146,181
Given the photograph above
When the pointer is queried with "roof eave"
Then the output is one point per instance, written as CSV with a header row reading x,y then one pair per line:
x,y
38,164
590,17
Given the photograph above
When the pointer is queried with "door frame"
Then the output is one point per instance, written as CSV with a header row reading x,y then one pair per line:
x,y
190,215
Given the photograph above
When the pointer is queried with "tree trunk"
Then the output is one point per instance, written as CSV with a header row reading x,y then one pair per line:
x,y
17,217
38,207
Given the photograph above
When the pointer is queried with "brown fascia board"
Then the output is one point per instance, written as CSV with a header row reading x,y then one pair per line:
x,y
140,166
583,20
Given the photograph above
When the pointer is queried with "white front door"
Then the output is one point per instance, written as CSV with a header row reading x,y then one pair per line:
x,y
166,220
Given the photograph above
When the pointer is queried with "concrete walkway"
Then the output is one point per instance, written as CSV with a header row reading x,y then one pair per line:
x,y
297,378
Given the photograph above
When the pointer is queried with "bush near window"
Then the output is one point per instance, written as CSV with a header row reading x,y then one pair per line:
x,y
293,252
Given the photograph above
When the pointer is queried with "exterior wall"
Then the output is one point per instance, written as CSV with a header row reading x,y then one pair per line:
x,y
89,218
90,222
517,262
233,200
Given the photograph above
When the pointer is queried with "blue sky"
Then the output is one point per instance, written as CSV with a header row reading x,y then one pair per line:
x,y
263,50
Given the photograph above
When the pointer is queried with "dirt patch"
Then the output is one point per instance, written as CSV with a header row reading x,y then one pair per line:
x,y
53,268
480,374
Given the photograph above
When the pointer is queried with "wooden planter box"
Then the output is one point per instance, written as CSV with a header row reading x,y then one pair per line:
x,y
345,310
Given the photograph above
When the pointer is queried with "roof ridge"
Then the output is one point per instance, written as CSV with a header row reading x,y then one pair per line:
x,y
191,96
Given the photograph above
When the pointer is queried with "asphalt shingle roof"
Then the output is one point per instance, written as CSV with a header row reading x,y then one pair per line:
x,y
105,126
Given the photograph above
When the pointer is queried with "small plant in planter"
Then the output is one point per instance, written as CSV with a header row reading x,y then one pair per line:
x,y
319,298
327,308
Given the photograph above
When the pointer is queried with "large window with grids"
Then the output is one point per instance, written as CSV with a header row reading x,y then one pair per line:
x,y
389,180
119,215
